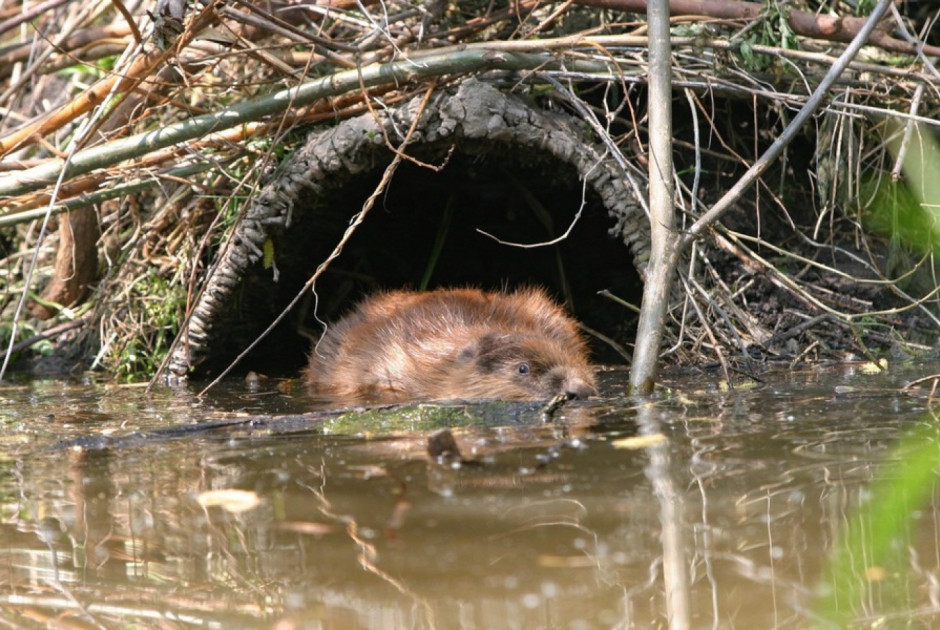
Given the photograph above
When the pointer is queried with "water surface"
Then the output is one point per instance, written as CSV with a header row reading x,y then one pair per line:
x,y
128,508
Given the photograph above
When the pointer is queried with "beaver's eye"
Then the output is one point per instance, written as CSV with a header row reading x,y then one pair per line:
x,y
523,368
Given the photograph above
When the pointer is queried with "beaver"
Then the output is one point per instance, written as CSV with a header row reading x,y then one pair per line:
x,y
452,344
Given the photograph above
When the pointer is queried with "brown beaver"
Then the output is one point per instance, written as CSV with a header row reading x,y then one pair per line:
x,y
451,344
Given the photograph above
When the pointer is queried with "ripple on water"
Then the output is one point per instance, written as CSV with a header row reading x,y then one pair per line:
x,y
269,513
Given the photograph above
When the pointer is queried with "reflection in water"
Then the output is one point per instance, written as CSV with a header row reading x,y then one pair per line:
x,y
663,476
541,525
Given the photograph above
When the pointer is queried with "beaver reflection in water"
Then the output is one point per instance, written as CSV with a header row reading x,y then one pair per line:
x,y
452,344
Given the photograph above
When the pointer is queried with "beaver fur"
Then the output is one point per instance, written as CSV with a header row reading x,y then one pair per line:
x,y
452,344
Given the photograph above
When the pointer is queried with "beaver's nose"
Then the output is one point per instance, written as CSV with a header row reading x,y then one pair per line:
x,y
578,388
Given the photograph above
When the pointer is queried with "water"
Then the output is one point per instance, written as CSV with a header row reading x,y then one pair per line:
x,y
114,513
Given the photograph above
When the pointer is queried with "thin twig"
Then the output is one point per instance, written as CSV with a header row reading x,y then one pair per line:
x,y
786,136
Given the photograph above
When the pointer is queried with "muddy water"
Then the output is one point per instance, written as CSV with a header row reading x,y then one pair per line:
x,y
123,508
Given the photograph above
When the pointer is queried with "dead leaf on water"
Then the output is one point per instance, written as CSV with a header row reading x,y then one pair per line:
x,y
234,501
639,441
873,367
876,573
566,562
306,527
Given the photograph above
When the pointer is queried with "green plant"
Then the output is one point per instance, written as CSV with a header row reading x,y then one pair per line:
x,y
155,309
773,29
870,562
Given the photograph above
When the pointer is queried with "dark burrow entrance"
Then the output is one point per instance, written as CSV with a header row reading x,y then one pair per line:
x,y
428,231
429,228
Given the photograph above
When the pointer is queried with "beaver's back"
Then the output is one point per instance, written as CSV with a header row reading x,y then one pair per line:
x,y
452,343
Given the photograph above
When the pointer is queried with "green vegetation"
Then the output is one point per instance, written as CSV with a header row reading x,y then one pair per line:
x,y
773,29
430,417
157,305
906,211
871,561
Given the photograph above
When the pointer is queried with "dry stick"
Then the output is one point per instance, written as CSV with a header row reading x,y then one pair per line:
x,y
22,85
780,143
919,46
684,316
664,252
790,285
588,115
734,245
661,470
667,245
68,47
908,133
21,304
80,135
29,14
129,19
76,189
829,27
923,379
357,221
693,208
264,20
722,360
453,61
46,334
141,68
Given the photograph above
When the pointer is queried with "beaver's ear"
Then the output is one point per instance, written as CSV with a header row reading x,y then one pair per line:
x,y
480,347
